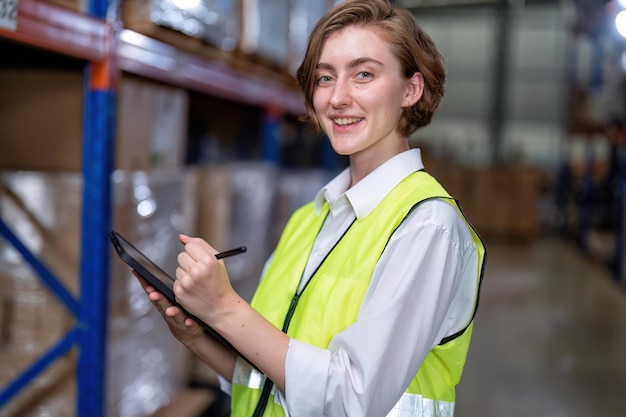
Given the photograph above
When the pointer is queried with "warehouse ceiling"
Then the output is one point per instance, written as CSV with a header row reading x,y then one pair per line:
x,y
416,4
588,13
440,3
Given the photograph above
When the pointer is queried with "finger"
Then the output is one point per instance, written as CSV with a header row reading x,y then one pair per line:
x,y
158,300
180,259
185,261
180,273
176,289
197,248
184,239
156,297
191,324
152,292
141,279
175,313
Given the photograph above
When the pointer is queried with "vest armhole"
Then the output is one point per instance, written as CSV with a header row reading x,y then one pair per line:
x,y
480,278
457,206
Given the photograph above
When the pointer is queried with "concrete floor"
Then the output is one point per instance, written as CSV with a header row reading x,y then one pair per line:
x,y
549,339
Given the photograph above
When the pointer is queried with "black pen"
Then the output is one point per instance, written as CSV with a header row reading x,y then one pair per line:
x,y
231,252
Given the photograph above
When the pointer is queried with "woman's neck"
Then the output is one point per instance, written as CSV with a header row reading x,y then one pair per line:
x,y
364,162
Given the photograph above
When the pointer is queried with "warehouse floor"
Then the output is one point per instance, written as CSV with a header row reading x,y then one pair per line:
x,y
550,336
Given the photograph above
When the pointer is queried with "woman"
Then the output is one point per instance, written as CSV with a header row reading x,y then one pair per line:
x,y
367,304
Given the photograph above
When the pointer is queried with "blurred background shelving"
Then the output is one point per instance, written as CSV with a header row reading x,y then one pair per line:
x,y
112,117
156,117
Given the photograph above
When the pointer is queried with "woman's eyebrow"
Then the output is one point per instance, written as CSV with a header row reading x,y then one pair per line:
x,y
351,64
364,60
323,65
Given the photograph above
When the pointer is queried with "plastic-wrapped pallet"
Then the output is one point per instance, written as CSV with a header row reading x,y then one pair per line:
x,y
303,16
145,360
236,203
146,366
295,188
216,22
266,30
32,319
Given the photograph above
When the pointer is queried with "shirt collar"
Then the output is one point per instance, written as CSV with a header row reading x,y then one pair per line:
x,y
370,191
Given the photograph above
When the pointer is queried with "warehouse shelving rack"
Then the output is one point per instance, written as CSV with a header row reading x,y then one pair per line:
x,y
108,50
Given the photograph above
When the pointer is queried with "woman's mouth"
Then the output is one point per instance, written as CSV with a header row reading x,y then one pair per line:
x,y
345,121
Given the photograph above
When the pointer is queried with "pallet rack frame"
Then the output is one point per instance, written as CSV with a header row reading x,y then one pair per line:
x,y
109,50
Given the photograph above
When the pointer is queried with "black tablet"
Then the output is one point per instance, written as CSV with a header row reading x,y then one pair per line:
x,y
159,279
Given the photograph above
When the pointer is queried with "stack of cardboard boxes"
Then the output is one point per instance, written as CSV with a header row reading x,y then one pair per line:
x,y
500,202
155,197
40,199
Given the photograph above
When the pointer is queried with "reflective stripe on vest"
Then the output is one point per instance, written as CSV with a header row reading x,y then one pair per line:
x,y
247,376
409,405
415,405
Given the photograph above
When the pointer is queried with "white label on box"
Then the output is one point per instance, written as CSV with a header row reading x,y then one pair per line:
x,y
8,14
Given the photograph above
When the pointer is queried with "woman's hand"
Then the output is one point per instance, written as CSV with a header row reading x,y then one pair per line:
x,y
190,333
202,285
184,328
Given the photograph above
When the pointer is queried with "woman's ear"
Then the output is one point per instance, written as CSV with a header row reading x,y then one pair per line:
x,y
414,89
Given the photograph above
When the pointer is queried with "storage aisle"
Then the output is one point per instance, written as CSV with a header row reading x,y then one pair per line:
x,y
550,336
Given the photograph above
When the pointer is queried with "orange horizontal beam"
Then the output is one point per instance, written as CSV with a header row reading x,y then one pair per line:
x,y
54,28
58,29
142,55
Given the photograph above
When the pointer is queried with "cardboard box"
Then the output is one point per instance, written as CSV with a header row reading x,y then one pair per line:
x,y
215,205
151,125
500,202
76,5
187,403
41,119
236,204
53,393
43,211
41,122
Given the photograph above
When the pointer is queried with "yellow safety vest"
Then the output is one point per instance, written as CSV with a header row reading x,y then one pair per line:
x,y
331,300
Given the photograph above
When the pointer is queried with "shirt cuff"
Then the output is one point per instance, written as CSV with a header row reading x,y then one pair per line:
x,y
225,385
306,374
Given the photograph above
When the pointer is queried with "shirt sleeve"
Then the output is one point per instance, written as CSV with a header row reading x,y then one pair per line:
x,y
405,312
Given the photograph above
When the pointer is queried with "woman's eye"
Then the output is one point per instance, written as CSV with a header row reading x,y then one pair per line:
x,y
364,74
323,79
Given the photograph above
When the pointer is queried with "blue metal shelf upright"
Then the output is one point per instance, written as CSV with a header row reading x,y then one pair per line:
x,y
98,144
108,50
85,36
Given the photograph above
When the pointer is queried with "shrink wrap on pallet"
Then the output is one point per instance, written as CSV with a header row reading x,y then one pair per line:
x,y
146,366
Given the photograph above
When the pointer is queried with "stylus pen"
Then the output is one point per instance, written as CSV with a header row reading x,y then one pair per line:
x,y
231,252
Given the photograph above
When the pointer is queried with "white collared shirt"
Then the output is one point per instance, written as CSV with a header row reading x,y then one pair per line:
x,y
422,290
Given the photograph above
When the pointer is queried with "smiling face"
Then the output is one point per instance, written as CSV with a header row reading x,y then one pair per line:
x,y
359,94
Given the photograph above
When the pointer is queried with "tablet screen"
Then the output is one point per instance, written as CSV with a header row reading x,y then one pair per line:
x,y
140,262
145,262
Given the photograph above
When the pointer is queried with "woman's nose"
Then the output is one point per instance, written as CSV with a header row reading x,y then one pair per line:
x,y
341,94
